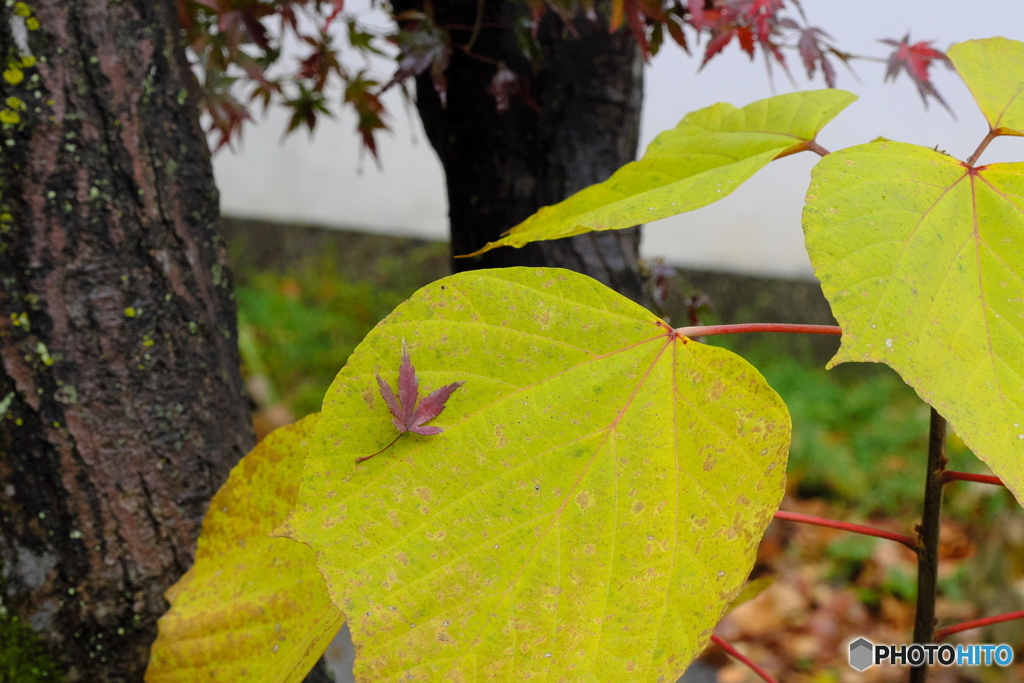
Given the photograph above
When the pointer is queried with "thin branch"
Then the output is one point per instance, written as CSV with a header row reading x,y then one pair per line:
x,y
866,58
707,330
467,27
476,25
992,135
367,457
809,146
845,55
944,633
928,541
479,57
954,475
813,146
764,675
863,529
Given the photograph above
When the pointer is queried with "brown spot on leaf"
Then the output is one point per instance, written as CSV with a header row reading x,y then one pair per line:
x,y
499,434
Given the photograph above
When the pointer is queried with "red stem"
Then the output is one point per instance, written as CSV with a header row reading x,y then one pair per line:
x,y
953,475
971,160
809,146
707,330
765,676
908,541
813,146
367,457
943,633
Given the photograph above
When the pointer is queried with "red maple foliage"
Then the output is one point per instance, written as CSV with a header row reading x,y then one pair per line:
x,y
238,48
915,59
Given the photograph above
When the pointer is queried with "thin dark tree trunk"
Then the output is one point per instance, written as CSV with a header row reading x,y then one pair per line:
x,y
503,166
121,406
928,541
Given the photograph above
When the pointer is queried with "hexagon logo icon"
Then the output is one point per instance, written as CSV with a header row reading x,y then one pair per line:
x,y
861,654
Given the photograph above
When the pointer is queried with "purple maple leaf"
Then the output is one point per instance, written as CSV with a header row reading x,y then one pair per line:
x,y
411,414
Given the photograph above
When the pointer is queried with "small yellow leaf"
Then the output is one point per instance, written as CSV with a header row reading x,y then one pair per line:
x,y
703,159
993,69
252,607
751,590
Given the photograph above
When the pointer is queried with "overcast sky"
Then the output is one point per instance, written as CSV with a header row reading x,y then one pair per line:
x,y
755,230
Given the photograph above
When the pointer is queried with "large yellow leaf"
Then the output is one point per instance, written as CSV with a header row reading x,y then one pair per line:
x,y
703,159
993,69
922,259
252,608
591,508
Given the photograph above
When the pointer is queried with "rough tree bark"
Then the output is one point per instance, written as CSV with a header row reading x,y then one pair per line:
x,y
503,166
121,406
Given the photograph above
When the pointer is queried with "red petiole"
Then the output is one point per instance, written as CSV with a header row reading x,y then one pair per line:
x,y
944,633
908,541
953,475
791,328
367,457
764,675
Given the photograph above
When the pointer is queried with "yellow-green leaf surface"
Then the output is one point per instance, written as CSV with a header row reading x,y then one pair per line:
x,y
252,607
703,159
751,590
922,260
591,508
993,69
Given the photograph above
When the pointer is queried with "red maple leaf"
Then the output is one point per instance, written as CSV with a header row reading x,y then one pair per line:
x,y
409,413
338,7
761,16
814,50
916,59
752,22
359,93
423,46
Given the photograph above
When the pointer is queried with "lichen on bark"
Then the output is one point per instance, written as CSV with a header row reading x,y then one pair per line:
x,y
117,427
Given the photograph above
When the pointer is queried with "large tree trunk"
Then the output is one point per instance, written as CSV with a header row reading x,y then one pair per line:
x,y
503,166
121,407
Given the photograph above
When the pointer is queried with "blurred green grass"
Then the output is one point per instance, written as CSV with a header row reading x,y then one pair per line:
x,y
298,325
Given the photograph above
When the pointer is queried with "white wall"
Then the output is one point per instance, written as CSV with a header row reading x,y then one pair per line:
x,y
756,230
